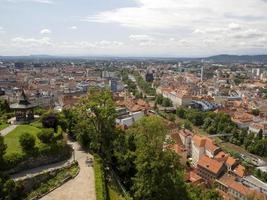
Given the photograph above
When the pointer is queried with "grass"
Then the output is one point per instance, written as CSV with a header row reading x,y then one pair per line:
x,y
12,139
100,184
3,126
55,181
37,124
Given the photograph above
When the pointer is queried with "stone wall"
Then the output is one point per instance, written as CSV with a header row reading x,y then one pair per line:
x,y
34,162
30,183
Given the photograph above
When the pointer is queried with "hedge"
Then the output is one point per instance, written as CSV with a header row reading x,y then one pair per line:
x,y
100,183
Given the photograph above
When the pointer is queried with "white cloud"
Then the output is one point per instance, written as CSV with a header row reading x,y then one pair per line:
x,y
2,31
34,1
198,31
249,33
31,41
73,27
45,31
141,37
234,26
43,1
105,43
158,14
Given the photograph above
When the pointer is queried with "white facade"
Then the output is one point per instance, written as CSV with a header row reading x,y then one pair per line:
x,y
130,119
255,129
186,139
197,152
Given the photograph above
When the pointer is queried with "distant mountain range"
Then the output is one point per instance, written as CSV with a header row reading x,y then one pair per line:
x,y
223,58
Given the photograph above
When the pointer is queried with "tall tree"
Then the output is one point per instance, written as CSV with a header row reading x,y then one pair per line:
x,y
99,109
159,174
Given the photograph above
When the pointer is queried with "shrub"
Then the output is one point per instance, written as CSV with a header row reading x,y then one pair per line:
x,y
59,134
3,147
46,135
11,160
27,141
100,184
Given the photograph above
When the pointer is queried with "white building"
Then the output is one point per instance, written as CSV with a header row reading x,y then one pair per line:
x,y
128,120
203,146
256,127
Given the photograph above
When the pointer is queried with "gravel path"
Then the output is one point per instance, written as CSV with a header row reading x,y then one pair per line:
x,y
82,187
7,130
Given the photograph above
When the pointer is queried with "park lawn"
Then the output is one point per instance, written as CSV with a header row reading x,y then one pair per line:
x,y
3,126
37,124
12,138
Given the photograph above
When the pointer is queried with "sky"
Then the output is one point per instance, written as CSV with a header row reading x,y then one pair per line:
x,y
165,28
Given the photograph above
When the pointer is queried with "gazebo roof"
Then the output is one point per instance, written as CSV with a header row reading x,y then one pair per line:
x,y
23,102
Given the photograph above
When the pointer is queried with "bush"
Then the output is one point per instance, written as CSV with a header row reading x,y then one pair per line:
x,y
100,184
46,135
9,189
59,134
3,148
11,160
27,141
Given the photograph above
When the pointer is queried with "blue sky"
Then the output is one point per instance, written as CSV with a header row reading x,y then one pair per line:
x,y
133,27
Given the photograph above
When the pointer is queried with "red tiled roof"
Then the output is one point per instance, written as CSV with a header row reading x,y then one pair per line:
x,y
239,170
210,164
204,142
240,188
231,161
221,156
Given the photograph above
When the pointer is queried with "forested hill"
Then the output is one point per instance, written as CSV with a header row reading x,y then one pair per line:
x,y
238,58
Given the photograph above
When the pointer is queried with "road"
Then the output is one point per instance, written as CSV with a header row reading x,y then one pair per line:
x,y
82,187
7,130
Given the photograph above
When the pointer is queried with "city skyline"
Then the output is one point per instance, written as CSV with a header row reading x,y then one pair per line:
x,y
133,28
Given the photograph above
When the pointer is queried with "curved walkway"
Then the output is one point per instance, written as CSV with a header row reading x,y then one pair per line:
x,y
82,187
38,170
7,130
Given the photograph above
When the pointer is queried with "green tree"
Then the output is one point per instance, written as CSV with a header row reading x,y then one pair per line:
x,y
187,125
70,116
207,122
50,120
99,109
9,190
198,193
3,148
46,135
212,130
124,156
256,112
166,102
159,99
4,106
27,141
159,175
181,112
260,134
